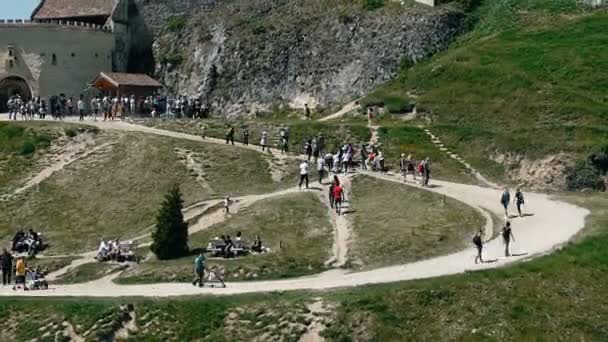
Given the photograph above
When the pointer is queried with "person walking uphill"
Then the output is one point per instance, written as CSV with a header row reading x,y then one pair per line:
x,y
507,237
6,262
505,198
303,174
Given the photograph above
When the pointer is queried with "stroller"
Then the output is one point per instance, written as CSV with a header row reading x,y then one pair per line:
x,y
214,277
35,280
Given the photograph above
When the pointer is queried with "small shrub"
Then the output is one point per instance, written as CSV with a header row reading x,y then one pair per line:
x,y
584,176
27,148
397,105
599,159
171,58
176,23
371,5
70,132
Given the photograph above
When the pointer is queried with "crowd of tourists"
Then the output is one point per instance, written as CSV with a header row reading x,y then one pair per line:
x,y
105,106
25,278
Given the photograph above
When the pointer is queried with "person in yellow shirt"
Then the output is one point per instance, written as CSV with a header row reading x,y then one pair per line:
x,y
19,273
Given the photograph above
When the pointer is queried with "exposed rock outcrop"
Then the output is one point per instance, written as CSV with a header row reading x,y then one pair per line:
x,y
249,56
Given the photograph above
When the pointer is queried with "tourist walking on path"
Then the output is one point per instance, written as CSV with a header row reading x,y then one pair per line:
x,y
284,135
199,270
363,153
403,166
380,159
505,199
230,135
227,204
246,136
519,200
81,108
303,174
427,171
331,195
338,198
478,242
308,149
321,169
264,141
6,262
507,237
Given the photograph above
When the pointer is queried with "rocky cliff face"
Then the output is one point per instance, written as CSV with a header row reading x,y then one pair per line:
x,y
247,56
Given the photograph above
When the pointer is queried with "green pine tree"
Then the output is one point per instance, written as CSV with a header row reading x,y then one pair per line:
x,y
170,240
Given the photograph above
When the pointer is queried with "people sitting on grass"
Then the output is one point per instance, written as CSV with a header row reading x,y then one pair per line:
x,y
116,250
257,245
29,242
226,247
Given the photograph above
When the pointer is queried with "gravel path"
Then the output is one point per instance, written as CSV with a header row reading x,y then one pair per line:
x,y
551,224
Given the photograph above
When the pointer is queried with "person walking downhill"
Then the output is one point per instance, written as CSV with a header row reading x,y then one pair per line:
x,y
80,108
199,270
363,153
507,237
519,200
478,242
246,136
331,194
403,166
410,166
427,171
303,174
227,205
321,169
308,149
338,198
505,198
380,159
6,262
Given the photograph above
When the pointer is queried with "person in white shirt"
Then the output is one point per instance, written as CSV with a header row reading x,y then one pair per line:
x,y
264,141
303,174
80,108
321,169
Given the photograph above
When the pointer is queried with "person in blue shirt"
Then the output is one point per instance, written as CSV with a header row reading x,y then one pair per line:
x,y
199,270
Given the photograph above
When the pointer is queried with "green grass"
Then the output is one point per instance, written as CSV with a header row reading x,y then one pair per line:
x,y
87,272
526,80
20,147
559,297
395,224
530,301
298,223
116,193
398,139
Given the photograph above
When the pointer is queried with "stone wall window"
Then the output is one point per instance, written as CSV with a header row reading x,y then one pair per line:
x,y
54,59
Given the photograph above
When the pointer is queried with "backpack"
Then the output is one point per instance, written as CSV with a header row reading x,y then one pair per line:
x,y
420,168
477,240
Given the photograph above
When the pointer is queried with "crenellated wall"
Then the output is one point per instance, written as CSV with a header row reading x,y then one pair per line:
x,y
57,57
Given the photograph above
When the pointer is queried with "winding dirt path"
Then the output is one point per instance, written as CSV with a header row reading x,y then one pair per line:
x,y
561,219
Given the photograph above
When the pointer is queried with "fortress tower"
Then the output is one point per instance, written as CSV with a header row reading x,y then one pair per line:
x,y
62,47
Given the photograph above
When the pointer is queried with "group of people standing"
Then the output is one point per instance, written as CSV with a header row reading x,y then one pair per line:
x,y
408,166
8,269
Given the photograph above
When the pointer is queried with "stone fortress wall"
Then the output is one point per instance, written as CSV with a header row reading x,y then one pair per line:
x,y
54,57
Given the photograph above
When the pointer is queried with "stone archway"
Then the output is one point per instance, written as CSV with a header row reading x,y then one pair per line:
x,y
13,85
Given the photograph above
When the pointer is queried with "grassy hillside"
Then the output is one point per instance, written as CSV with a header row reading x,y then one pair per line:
x,y
527,80
396,225
561,297
116,191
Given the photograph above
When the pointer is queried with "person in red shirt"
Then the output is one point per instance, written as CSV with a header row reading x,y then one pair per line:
x,y
338,197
